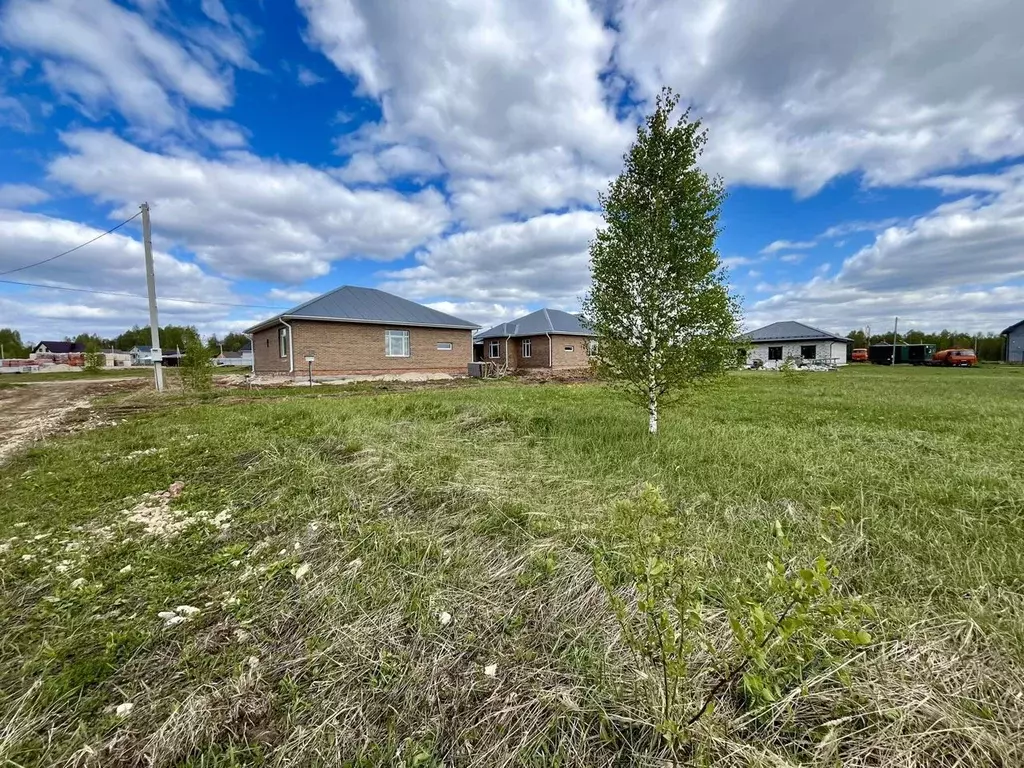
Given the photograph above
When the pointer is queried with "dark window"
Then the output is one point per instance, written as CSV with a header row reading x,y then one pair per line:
x,y
494,349
809,352
569,348
526,347
774,353
282,341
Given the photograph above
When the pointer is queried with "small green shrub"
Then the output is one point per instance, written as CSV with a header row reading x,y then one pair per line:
x,y
789,371
196,367
94,359
797,625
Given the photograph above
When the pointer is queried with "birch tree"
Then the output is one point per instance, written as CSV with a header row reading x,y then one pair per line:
x,y
658,303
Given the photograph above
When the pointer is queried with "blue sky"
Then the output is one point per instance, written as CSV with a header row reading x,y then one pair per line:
x,y
452,152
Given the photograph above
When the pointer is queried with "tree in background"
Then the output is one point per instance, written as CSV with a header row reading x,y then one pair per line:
x,y
136,336
196,366
235,342
94,357
171,337
658,302
178,337
13,348
90,341
988,346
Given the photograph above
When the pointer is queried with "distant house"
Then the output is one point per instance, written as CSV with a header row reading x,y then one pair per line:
x,y
1013,348
547,338
789,340
353,330
141,355
50,348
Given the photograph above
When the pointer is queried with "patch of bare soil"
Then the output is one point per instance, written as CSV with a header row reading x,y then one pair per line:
x,y
559,376
35,411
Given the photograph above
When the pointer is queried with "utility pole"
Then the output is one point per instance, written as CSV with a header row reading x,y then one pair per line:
x,y
154,323
895,328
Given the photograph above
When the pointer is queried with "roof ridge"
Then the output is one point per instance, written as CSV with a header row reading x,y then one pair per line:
x,y
315,298
813,328
547,317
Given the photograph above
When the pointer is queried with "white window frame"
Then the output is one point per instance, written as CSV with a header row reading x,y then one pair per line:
x,y
445,346
526,347
390,336
494,349
283,341
569,348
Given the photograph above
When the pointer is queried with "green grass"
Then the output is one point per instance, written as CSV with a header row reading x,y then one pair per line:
x,y
321,532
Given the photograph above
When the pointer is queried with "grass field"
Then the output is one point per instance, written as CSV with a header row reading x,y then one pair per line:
x,y
287,604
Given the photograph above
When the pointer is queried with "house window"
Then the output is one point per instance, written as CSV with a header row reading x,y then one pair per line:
x,y
526,347
808,352
494,349
569,348
282,341
444,346
592,347
774,353
396,343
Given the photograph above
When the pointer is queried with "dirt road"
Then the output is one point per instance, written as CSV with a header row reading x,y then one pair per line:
x,y
33,411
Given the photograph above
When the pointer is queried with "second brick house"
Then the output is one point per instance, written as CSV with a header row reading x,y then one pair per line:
x,y
547,338
364,331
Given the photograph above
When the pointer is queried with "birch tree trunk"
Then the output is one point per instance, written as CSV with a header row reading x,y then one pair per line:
x,y
652,412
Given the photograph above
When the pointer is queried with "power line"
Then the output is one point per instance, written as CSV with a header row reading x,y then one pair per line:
x,y
139,296
71,250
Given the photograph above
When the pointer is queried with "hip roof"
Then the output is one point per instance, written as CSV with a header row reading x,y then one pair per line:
x,y
353,304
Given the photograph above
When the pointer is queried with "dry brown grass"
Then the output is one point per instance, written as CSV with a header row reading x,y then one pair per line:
x,y
357,522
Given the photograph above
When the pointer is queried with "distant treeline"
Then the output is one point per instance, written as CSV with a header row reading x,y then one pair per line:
x,y
171,337
988,346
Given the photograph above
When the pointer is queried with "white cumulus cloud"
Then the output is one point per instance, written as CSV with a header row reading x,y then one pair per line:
x,y
245,216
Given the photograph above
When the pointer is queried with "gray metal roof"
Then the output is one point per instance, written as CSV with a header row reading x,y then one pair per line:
x,y
1012,328
367,305
537,324
790,330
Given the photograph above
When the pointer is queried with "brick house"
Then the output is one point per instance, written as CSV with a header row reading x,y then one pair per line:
x,y
362,331
45,348
58,352
547,338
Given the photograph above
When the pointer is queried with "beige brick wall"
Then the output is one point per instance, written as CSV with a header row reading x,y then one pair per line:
x,y
538,353
559,358
358,348
513,348
266,352
577,358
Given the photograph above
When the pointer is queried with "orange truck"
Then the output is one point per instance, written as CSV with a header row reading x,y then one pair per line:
x,y
965,358
859,355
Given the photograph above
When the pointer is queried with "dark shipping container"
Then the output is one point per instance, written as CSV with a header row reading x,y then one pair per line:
x,y
914,354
